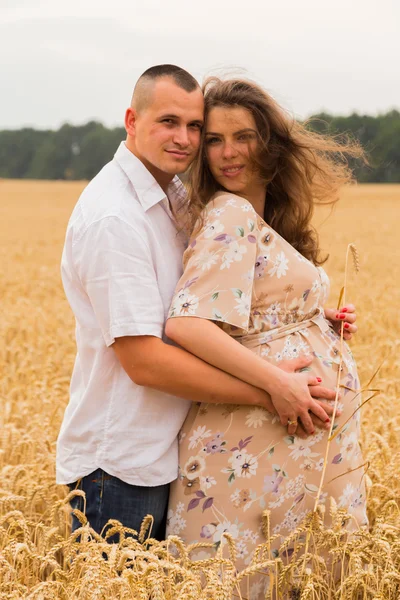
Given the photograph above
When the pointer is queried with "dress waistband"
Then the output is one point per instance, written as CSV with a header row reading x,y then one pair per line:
x,y
257,339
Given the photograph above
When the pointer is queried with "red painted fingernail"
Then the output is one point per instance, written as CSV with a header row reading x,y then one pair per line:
x,y
337,316
344,309
346,325
342,316
319,379
328,420
312,433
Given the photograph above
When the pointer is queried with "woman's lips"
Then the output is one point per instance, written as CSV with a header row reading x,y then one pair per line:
x,y
232,171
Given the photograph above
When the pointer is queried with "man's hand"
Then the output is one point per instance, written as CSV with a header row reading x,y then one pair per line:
x,y
346,315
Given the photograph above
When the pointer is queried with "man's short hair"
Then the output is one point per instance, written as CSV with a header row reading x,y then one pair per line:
x,y
181,77
144,85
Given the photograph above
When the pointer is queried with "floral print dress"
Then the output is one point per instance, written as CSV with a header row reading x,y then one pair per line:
x,y
237,461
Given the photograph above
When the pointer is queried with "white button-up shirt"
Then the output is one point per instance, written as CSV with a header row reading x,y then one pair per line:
x,y
121,261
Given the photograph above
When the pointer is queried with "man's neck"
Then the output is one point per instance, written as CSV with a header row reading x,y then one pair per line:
x,y
163,179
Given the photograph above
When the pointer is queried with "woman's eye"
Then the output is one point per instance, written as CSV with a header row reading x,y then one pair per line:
x,y
245,137
212,140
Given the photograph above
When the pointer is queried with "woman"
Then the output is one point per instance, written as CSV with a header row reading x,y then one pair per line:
x,y
252,275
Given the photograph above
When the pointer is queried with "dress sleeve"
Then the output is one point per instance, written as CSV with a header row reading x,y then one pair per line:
x,y
218,275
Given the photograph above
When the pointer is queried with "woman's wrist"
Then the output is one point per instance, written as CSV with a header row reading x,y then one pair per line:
x,y
274,379
259,397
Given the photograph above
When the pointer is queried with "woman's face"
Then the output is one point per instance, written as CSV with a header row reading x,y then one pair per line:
x,y
231,140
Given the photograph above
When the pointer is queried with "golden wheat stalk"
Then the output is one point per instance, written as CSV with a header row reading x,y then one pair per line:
x,y
351,249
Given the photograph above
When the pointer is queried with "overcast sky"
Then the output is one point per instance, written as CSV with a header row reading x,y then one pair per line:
x,y
78,60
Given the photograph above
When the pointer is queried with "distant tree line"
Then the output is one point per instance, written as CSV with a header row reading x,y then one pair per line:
x,y
79,152
379,136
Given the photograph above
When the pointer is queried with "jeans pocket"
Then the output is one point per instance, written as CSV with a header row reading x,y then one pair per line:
x,y
99,492
77,502
92,485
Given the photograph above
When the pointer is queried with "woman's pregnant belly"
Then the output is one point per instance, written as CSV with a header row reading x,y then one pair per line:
x,y
237,460
329,357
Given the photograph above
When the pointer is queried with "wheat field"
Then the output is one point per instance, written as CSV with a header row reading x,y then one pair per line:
x,y
39,559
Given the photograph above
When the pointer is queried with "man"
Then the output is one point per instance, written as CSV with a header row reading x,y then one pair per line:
x,y
121,262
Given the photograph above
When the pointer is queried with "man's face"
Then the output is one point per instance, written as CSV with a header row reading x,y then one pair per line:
x,y
167,131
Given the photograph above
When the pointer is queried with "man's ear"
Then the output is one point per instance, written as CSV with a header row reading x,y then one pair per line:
x,y
130,121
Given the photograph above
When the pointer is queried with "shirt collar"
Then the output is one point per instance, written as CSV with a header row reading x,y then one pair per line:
x,y
146,187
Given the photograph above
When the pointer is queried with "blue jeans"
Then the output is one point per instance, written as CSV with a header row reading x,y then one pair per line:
x,y
108,497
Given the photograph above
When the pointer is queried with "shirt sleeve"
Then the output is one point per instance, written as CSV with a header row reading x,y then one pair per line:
x,y
114,264
219,263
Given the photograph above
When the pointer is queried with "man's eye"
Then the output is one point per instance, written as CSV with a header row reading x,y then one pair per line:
x,y
169,121
195,126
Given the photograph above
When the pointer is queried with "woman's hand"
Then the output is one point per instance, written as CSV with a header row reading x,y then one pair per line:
x,y
346,315
290,395
322,395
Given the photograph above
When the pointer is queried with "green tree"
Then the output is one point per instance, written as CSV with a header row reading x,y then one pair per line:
x,y
79,152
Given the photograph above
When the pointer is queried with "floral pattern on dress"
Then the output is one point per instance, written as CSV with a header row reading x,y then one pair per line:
x,y
237,461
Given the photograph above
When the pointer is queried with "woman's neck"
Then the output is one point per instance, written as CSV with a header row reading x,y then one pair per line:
x,y
256,197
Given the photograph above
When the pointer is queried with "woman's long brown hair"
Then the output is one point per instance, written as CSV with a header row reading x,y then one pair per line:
x,y
300,167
